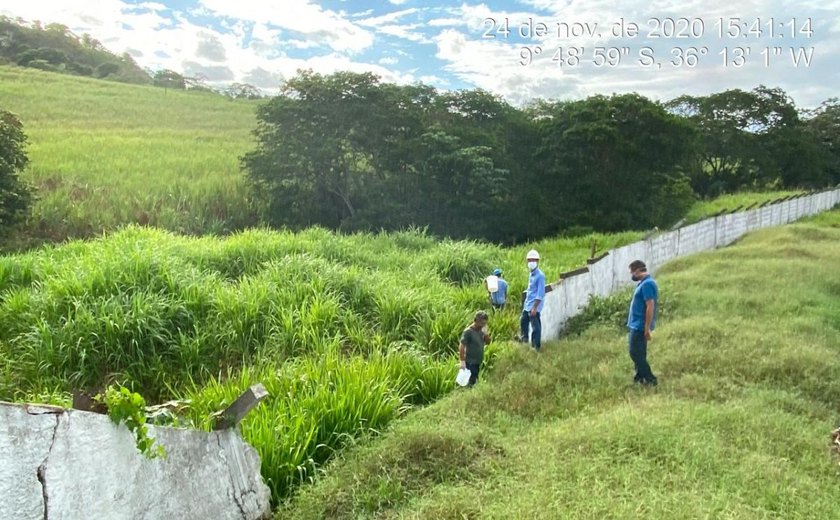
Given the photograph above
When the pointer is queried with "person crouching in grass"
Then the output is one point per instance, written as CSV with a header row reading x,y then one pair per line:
x,y
473,340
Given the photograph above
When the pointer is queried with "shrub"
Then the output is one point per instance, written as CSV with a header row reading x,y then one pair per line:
x,y
15,195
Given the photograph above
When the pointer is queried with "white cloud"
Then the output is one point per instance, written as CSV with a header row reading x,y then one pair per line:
x,y
362,14
210,47
338,62
405,32
398,2
386,18
445,22
300,44
300,16
252,39
263,79
154,6
492,65
433,80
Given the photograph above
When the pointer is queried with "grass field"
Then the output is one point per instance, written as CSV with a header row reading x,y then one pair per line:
x,y
707,208
106,154
346,332
736,430
747,357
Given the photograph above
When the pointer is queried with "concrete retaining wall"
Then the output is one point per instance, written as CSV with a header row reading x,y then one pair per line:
x,y
69,464
570,295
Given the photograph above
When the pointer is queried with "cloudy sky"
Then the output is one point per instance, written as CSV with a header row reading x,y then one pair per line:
x,y
520,49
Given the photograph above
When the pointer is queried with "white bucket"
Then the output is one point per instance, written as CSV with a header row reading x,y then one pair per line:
x,y
492,283
463,377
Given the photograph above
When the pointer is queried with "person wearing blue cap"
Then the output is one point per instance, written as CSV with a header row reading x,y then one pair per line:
x,y
497,287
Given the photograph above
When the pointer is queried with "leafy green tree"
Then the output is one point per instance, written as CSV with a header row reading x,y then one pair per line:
x,y
15,195
315,144
169,79
51,56
746,139
461,186
612,163
822,129
243,91
107,69
80,69
57,49
347,152
504,136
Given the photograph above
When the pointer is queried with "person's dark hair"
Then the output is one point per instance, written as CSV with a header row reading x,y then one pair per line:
x,y
480,315
638,265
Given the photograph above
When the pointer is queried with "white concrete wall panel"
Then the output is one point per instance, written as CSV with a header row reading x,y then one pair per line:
x,y
79,465
611,273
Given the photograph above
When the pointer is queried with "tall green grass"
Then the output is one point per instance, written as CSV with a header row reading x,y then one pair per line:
x,y
347,331
746,352
320,404
105,154
152,309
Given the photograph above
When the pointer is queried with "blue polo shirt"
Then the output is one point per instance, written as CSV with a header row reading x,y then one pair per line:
x,y
536,290
645,290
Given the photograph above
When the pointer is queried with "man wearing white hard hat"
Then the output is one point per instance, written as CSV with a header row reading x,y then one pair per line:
x,y
534,298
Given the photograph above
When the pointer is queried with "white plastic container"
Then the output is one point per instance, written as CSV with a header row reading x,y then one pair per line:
x,y
492,283
463,377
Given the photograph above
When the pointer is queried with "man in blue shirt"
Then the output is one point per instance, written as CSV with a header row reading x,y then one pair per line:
x,y
534,299
641,320
499,296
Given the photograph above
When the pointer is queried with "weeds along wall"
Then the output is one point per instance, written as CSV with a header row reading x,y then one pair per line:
x,y
609,273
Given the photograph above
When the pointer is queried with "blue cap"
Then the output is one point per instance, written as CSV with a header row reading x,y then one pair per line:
x,y
497,272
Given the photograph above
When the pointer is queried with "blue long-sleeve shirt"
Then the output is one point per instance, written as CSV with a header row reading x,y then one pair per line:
x,y
536,290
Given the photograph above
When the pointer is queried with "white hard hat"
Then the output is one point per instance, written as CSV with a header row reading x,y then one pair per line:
x,y
532,255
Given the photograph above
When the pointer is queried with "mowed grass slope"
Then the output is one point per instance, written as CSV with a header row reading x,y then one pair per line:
x,y
729,202
104,154
748,356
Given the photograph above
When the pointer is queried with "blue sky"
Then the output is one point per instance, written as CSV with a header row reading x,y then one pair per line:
x,y
587,46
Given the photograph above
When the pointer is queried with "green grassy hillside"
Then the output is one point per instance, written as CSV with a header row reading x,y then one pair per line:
x,y
346,332
704,209
747,358
105,154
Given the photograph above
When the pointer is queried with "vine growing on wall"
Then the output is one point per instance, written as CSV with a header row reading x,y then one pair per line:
x,y
127,407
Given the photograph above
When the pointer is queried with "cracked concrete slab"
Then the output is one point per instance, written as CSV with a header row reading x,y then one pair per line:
x,y
25,442
69,464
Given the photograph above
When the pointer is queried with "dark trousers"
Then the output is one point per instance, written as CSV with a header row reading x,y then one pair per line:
x,y
638,353
473,368
536,328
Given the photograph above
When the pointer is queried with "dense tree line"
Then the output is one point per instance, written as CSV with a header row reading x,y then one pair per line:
x,y
349,152
759,138
55,48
